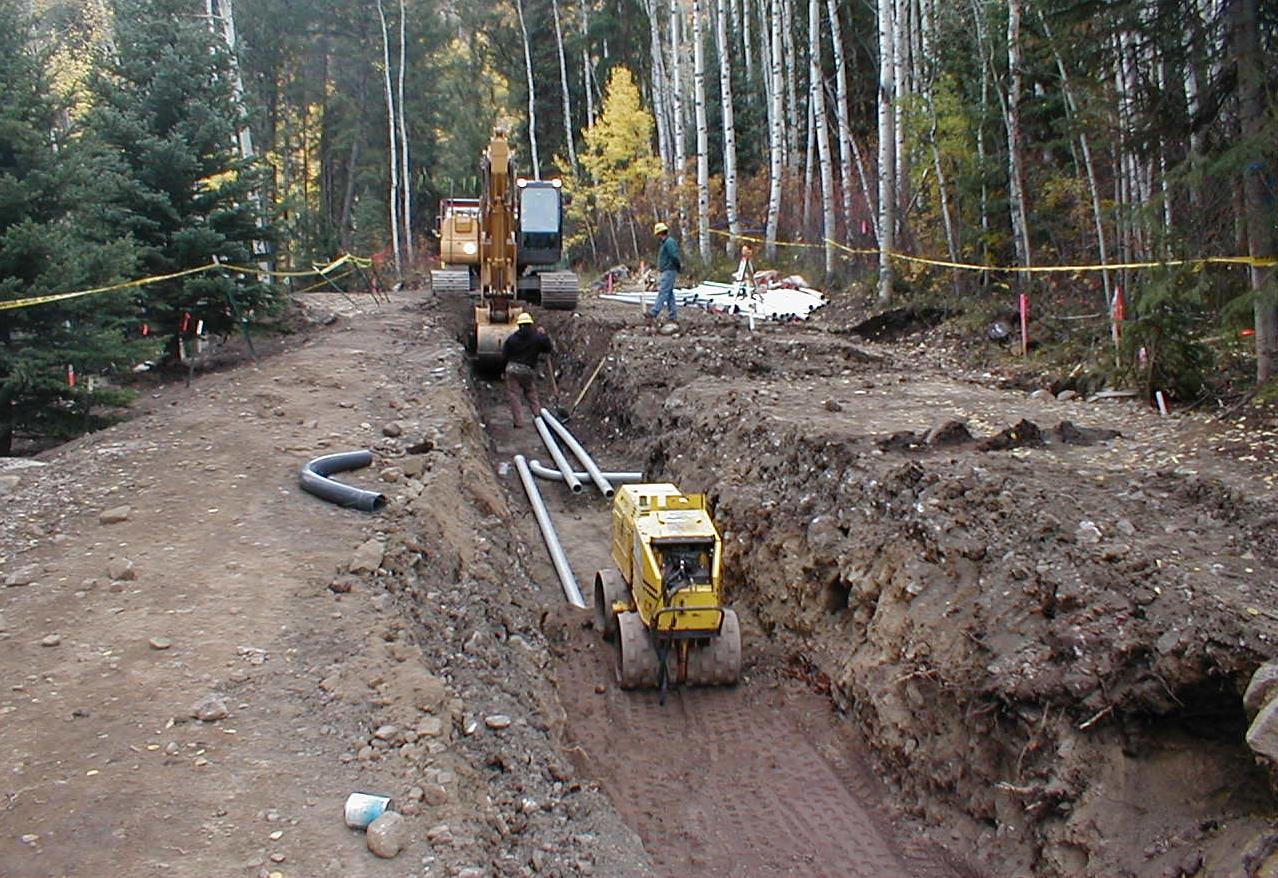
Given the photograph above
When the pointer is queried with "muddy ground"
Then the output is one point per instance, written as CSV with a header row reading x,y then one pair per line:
x,y
1015,653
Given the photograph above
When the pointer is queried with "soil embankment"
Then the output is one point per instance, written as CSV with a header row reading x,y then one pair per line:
x,y
1041,613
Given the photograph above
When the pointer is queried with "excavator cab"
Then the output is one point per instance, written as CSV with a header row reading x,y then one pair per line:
x,y
540,240
541,222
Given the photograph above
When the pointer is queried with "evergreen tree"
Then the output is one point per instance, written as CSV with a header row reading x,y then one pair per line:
x,y
51,240
166,118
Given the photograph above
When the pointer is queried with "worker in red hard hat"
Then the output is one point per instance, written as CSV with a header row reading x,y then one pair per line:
x,y
521,351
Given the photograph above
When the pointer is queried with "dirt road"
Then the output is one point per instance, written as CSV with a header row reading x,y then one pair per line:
x,y
224,580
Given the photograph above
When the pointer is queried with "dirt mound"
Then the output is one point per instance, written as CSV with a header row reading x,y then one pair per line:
x,y
1045,633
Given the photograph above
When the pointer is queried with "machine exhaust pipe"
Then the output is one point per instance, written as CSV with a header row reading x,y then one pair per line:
x,y
566,474
574,446
314,480
572,591
542,471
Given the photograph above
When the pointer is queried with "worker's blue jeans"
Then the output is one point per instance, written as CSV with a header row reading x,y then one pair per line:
x,y
665,295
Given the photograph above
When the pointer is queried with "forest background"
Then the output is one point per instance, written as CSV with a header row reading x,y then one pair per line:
x,y
1003,139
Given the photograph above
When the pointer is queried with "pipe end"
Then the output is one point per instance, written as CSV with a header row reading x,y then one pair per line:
x,y
577,488
608,494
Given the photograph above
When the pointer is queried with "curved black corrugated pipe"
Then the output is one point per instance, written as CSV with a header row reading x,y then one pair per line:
x,y
314,480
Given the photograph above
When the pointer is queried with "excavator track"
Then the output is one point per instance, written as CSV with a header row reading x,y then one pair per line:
x,y
560,290
450,280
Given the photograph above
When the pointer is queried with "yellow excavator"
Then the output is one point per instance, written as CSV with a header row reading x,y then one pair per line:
x,y
663,602
502,247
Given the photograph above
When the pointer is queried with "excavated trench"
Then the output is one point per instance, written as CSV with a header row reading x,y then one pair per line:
x,y
764,778
1041,627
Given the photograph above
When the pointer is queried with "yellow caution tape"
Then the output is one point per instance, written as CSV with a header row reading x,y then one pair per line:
x,y
1255,262
126,285
14,304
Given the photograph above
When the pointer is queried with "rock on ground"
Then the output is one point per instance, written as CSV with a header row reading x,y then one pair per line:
x,y
387,834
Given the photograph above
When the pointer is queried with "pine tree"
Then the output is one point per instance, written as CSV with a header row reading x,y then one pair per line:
x,y
51,241
166,119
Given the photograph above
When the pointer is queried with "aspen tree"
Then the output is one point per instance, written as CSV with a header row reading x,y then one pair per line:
x,y
1015,147
776,136
817,100
563,80
887,148
703,134
729,128
406,177
393,141
532,93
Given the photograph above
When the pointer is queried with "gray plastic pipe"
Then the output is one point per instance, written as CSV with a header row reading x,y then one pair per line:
x,y
572,591
557,455
314,480
574,446
542,471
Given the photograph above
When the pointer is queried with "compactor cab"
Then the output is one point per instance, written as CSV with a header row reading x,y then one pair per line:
x,y
663,602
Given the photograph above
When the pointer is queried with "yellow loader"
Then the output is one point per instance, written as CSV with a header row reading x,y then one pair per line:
x,y
663,603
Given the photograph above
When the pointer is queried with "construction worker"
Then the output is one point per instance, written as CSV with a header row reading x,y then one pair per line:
x,y
669,266
521,350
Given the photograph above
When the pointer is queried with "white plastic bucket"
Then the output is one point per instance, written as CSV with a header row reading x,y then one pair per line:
x,y
363,808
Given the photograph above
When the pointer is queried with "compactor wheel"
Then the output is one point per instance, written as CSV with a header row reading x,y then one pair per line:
x,y
718,663
637,661
609,589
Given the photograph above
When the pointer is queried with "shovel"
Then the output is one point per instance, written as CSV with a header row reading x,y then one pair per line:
x,y
582,395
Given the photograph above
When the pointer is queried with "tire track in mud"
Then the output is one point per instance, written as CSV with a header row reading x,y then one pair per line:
x,y
727,782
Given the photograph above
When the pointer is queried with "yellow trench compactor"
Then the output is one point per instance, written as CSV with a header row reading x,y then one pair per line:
x,y
663,602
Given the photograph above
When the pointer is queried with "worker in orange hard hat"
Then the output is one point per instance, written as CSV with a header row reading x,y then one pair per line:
x,y
669,266
521,350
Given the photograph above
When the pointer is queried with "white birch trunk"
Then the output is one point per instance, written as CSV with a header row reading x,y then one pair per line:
x,y
406,176
393,142
844,127
224,11
900,50
660,87
887,147
987,73
563,80
532,94
817,99
585,66
765,55
703,133
680,146
809,171
1192,92
729,130
925,72
791,62
747,40
776,135
1015,148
